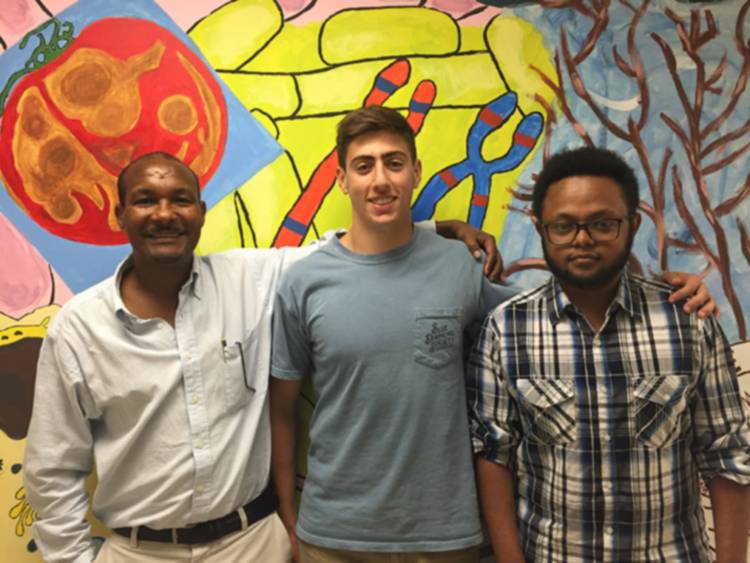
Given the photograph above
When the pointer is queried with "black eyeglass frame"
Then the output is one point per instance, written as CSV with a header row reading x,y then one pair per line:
x,y
585,227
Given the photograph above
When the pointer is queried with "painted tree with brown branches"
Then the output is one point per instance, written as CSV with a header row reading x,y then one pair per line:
x,y
705,114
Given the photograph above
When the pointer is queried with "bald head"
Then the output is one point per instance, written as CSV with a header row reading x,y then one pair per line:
x,y
176,166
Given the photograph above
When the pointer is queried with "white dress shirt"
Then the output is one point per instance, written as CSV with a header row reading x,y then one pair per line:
x,y
175,418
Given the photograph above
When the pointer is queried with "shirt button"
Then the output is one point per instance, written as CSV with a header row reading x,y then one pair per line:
x,y
607,438
199,489
607,485
199,443
195,399
189,356
609,530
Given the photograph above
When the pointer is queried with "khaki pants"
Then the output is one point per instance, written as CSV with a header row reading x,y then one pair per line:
x,y
265,541
314,554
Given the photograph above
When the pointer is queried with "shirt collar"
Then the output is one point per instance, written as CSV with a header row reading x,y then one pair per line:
x,y
123,267
627,298
121,311
194,281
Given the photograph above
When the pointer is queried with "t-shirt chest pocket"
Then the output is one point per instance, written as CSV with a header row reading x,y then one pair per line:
x,y
438,336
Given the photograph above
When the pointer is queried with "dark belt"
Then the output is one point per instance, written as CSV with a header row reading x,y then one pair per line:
x,y
206,532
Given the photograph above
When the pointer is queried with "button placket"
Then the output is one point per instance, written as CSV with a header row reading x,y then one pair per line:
x,y
196,407
606,430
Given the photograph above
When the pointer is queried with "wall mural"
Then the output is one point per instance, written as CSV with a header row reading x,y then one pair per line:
x,y
490,92
75,110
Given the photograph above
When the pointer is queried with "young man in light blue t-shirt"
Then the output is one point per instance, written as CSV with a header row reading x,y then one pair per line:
x,y
377,319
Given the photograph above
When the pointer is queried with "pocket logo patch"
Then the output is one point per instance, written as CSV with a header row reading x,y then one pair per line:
x,y
440,337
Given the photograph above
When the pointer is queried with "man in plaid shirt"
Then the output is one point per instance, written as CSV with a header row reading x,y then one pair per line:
x,y
596,404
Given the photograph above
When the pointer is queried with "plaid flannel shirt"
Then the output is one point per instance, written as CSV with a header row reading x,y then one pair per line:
x,y
608,432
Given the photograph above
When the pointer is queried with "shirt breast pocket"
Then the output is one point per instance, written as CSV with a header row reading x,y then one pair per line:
x,y
659,403
438,336
241,380
547,410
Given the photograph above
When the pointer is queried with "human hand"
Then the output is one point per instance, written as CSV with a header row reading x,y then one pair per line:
x,y
691,288
478,242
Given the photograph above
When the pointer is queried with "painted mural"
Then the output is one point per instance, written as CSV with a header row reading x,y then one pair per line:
x,y
75,110
250,91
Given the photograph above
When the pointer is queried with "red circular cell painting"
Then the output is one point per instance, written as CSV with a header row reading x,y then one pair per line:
x,y
124,87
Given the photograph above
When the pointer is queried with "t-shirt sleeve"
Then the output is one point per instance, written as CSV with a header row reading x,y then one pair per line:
x,y
489,295
493,294
290,355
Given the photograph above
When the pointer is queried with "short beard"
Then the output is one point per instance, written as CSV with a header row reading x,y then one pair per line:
x,y
601,279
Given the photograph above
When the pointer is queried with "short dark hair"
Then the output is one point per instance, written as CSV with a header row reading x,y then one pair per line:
x,y
372,119
156,154
586,161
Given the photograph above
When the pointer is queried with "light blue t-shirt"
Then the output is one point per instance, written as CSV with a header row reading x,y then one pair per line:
x,y
382,337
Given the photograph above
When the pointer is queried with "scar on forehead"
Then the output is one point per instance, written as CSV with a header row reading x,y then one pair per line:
x,y
160,173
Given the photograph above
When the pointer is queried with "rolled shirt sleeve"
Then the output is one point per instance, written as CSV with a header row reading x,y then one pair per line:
x,y
721,443
59,455
493,412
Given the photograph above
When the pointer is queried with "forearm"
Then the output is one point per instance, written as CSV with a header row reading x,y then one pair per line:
x,y
447,228
730,503
497,501
282,470
283,447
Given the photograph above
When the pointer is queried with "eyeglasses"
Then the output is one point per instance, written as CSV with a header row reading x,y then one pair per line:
x,y
601,230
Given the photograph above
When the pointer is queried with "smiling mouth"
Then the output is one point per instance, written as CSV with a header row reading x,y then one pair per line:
x,y
164,236
385,200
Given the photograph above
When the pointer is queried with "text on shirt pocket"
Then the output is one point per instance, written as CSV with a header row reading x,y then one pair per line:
x,y
438,336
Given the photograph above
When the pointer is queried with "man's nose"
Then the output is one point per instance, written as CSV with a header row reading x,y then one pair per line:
x,y
583,237
380,174
164,210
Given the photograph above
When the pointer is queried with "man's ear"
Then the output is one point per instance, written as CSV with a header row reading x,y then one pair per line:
x,y
118,216
341,179
538,225
417,173
203,211
635,222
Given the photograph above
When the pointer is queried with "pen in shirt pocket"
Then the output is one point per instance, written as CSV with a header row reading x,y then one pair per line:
x,y
242,361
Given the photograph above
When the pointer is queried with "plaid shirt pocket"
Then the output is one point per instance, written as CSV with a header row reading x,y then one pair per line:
x,y
659,402
547,409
